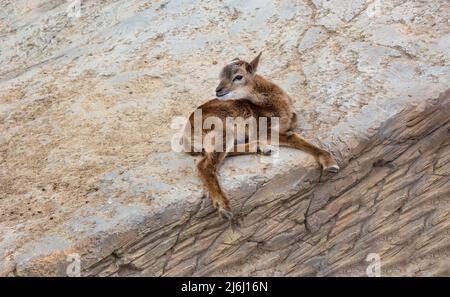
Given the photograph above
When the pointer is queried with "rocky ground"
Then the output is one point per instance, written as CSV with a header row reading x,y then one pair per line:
x,y
88,94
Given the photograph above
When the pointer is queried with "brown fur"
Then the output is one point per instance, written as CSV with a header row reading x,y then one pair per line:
x,y
256,97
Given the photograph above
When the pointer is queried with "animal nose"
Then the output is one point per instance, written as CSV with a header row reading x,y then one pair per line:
x,y
218,89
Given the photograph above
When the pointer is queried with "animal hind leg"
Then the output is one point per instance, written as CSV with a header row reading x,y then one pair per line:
x,y
208,168
323,157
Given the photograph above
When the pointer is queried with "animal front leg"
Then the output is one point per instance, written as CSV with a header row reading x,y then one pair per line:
x,y
254,147
323,157
207,170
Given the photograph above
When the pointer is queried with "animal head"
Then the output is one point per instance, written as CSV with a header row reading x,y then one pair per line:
x,y
237,79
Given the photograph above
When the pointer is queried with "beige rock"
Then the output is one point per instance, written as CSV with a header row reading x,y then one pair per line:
x,y
86,166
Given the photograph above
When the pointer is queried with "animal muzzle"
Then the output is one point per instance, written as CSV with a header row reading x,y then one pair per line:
x,y
221,91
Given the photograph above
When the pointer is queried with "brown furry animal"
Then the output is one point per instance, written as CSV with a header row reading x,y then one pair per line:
x,y
243,93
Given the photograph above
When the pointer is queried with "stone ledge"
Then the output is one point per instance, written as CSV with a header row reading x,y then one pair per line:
x,y
391,198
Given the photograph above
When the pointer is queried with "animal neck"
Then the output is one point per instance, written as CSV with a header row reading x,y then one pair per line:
x,y
265,93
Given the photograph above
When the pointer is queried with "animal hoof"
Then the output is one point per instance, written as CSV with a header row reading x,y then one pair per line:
x,y
332,169
267,151
226,214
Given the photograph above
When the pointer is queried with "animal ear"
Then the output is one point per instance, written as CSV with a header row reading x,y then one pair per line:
x,y
254,64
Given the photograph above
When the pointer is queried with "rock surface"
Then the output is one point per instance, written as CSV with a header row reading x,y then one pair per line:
x,y
87,99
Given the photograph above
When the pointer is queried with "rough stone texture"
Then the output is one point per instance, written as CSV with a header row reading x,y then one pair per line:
x,y
86,166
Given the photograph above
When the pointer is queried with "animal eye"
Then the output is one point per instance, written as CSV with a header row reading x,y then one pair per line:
x,y
237,77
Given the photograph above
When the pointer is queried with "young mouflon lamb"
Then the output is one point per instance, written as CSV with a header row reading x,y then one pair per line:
x,y
245,94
